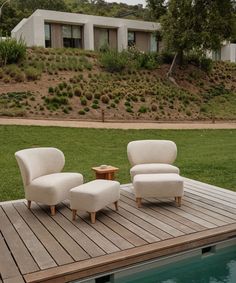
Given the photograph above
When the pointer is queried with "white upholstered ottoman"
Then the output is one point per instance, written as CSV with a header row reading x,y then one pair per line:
x,y
158,185
93,196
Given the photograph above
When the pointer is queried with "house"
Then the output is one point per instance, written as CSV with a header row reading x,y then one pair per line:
x,y
59,29
226,53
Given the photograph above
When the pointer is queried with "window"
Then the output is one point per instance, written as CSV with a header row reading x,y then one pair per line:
x,y
104,37
72,36
131,38
153,43
47,31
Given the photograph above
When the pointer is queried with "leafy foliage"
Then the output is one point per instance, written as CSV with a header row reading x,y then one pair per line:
x,y
11,51
200,25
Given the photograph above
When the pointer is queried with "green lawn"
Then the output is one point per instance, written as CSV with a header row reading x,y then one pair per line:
x,y
205,155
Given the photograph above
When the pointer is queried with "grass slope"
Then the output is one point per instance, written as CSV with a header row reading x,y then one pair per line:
x,y
71,84
205,155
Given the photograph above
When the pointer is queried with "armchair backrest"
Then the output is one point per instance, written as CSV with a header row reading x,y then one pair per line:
x,y
36,162
151,151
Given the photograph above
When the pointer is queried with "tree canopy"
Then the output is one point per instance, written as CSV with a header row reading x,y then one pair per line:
x,y
195,24
16,10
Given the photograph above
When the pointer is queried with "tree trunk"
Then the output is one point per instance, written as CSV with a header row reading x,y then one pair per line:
x,y
169,73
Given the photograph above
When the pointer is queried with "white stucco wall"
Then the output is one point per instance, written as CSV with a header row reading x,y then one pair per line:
x,y
32,29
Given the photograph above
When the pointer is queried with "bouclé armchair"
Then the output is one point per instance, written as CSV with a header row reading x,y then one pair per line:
x,y
42,177
152,157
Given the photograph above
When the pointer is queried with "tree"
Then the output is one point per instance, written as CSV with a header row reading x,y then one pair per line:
x,y
198,25
157,8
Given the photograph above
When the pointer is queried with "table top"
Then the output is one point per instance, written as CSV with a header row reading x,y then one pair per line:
x,y
109,168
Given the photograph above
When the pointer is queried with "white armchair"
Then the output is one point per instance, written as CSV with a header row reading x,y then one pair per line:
x,y
152,156
42,177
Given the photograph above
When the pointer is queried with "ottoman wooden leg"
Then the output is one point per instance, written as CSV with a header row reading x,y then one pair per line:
x,y
29,203
53,210
74,211
178,201
93,217
116,205
139,202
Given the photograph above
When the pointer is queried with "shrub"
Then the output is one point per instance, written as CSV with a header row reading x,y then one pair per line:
x,y
11,51
206,64
143,109
113,61
83,101
95,101
95,106
105,99
129,109
86,109
89,96
50,90
77,91
32,73
81,112
97,95
154,107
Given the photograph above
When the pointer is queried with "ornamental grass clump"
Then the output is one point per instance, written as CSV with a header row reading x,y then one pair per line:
x,y
11,51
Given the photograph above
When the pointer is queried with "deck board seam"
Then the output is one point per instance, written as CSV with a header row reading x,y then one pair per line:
x,y
155,216
86,221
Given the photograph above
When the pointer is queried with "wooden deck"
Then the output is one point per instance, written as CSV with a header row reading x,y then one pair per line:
x,y
35,247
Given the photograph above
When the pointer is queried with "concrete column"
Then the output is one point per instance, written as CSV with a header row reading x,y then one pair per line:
x,y
88,36
122,38
38,31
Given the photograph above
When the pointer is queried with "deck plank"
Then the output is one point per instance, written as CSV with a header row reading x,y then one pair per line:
x,y
8,267
210,206
117,239
75,251
170,222
37,250
207,210
130,225
85,242
23,258
50,243
213,193
223,207
88,229
18,279
216,189
214,198
112,229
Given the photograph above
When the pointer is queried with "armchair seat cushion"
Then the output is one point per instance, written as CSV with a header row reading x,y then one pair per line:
x,y
51,189
153,168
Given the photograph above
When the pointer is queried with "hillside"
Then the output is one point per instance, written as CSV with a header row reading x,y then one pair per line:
x,y
72,84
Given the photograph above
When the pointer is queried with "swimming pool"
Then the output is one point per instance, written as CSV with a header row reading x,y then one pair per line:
x,y
211,264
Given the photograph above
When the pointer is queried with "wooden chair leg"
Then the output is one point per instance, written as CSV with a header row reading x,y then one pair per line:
x,y
53,210
74,211
139,202
29,203
116,205
178,201
93,217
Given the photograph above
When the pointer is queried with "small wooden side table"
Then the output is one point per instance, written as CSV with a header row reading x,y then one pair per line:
x,y
107,173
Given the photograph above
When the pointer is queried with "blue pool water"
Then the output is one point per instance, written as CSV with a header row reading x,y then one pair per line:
x,y
213,268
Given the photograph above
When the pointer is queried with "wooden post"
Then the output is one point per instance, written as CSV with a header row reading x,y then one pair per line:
x,y
93,217
103,115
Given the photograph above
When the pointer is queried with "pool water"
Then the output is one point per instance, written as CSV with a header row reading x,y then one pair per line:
x,y
219,267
